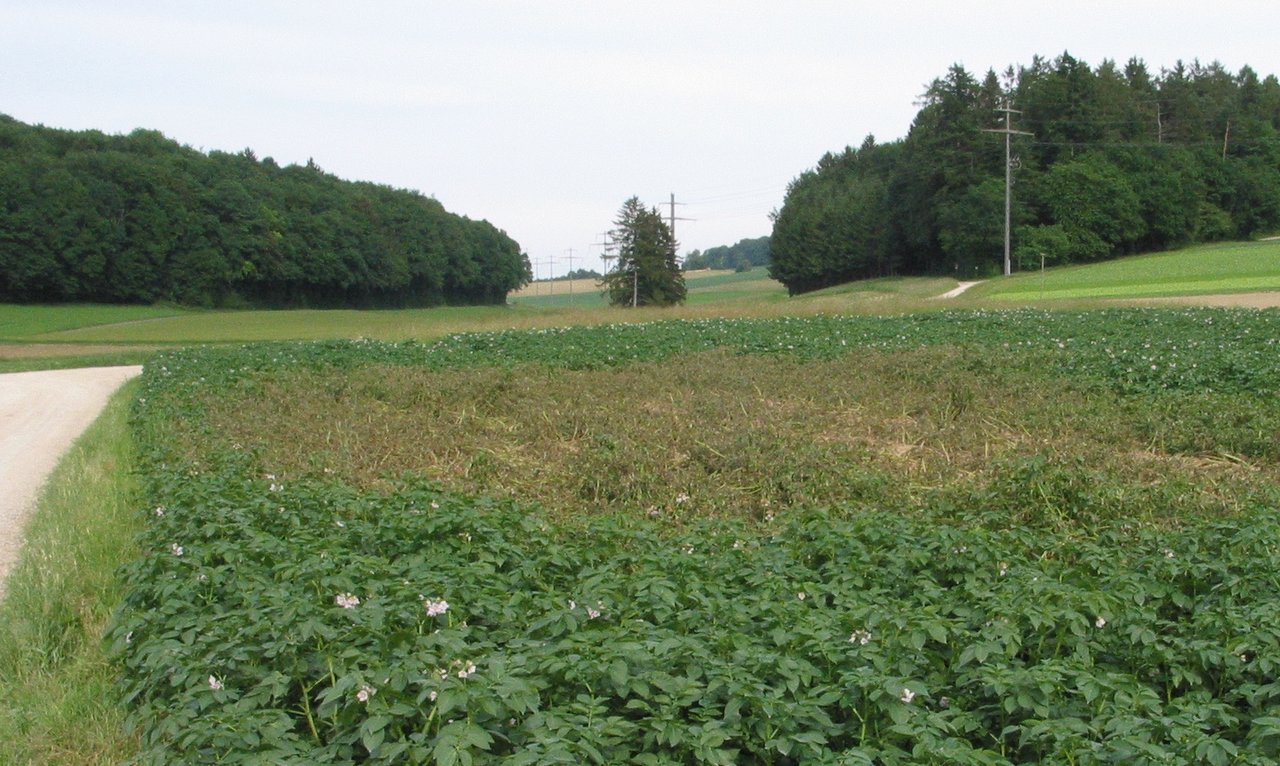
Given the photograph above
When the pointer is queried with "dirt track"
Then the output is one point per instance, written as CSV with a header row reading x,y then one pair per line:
x,y
41,414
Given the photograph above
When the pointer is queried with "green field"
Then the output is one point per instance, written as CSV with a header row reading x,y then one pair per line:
x,y
1207,269
1200,270
25,322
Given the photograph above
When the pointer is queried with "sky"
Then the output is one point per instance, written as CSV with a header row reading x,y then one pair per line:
x,y
543,117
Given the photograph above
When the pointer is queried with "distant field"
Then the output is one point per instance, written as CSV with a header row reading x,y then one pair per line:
x,y
710,294
1202,270
704,286
28,321
298,324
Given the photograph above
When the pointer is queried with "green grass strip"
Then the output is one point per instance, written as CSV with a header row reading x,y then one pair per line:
x,y
57,695
26,321
1216,268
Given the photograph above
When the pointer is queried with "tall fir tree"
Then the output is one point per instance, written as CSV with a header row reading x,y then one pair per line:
x,y
647,273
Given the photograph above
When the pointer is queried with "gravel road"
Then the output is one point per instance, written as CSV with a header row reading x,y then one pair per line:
x,y
41,414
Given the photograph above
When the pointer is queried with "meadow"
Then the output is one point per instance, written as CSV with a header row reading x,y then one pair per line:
x,y
1004,537
1198,270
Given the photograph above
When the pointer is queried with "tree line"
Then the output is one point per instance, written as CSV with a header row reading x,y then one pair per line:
x,y
1118,161
743,255
139,218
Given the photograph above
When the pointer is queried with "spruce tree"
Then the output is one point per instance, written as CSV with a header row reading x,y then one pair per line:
x,y
647,273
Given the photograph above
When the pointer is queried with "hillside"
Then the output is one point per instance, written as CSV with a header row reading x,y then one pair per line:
x,y
1105,161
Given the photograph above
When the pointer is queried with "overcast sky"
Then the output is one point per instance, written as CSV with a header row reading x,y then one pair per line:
x,y
543,117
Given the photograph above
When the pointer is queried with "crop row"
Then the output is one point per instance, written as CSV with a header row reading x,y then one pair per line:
x,y
1137,350
312,624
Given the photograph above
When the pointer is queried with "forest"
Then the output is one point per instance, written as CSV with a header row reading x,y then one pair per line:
x,y
743,255
1105,161
140,218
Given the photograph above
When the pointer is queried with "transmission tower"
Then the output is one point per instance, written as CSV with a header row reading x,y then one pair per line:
x,y
606,246
673,220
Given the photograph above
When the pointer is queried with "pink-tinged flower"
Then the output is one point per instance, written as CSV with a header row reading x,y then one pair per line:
x,y
468,670
365,693
175,549
347,600
214,683
435,608
592,613
907,695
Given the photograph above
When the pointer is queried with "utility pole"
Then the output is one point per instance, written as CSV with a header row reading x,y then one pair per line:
x,y
606,252
673,220
550,264
570,252
1009,133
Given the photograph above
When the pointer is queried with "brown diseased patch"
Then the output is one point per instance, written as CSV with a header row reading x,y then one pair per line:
x,y
719,434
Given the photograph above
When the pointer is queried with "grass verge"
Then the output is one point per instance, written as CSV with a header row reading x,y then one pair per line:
x,y
68,359
56,685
